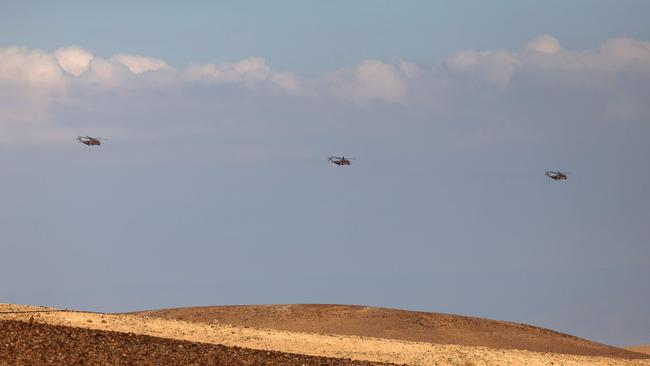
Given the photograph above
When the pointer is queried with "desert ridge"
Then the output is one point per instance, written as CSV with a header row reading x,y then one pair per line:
x,y
332,349
413,326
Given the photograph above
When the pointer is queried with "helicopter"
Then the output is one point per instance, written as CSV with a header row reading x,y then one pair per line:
x,y
90,141
340,161
557,175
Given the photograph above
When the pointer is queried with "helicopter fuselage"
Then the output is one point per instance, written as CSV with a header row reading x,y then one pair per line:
x,y
342,162
557,175
89,141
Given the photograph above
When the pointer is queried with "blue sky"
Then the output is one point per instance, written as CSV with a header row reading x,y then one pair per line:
x,y
213,186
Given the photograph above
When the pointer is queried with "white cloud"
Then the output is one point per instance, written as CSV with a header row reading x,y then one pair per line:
x,y
22,65
106,72
29,80
544,44
203,72
495,67
73,59
288,82
253,73
380,81
614,55
370,80
140,64
623,52
252,69
409,69
248,70
609,81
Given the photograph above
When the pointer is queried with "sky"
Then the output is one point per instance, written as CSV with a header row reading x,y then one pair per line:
x,y
213,187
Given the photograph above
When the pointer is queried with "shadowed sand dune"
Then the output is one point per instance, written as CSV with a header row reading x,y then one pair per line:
x,y
642,349
395,324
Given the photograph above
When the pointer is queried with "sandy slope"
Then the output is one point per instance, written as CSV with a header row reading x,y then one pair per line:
x,y
643,349
394,324
354,347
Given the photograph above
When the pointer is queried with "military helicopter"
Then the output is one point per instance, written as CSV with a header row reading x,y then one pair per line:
x,y
557,175
90,141
340,161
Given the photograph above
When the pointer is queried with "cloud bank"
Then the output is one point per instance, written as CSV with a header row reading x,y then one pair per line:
x,y
611,82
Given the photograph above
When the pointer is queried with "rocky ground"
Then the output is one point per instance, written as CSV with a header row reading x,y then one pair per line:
x,y
32,343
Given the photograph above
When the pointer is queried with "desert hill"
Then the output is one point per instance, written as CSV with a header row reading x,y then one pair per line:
x,y
395,324
39,335
642,349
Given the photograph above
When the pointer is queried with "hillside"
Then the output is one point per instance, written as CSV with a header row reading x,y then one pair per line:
x,y
643,348
394,324
29,343
40,335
